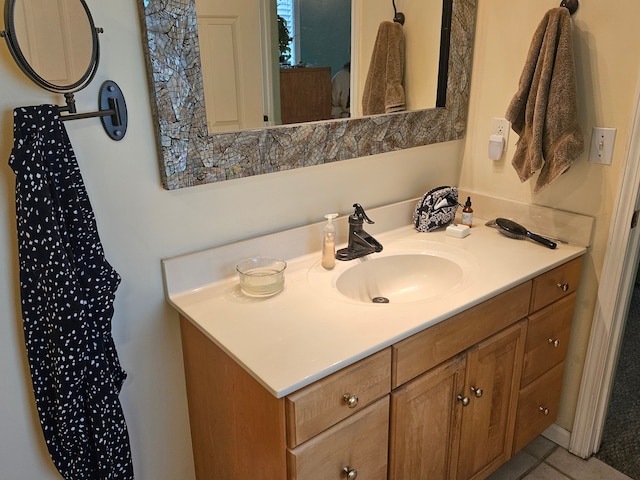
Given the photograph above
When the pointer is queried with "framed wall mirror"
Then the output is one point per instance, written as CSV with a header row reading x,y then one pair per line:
x,y
193,153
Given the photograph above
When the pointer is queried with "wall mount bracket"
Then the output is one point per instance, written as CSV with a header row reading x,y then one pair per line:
x,y
112,110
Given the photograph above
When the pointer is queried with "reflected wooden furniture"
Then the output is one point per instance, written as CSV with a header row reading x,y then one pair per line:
x,y
305,94
454,401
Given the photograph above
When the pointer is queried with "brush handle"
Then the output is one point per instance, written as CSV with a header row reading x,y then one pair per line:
x,y
544,241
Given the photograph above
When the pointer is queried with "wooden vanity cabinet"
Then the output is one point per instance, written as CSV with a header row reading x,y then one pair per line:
x,y
454,401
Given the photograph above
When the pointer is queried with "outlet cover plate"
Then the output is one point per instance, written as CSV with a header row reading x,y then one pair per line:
x,y
501,126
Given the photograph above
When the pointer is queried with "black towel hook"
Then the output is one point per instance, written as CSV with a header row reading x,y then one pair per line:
x,y
571,5
398,17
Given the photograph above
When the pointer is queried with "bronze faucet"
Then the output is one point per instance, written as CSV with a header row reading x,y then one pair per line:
x,y
360,242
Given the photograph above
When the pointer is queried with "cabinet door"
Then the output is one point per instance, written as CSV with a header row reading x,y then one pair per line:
x,y
425,424
494,367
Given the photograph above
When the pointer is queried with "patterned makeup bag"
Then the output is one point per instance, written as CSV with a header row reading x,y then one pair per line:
x,y
437,208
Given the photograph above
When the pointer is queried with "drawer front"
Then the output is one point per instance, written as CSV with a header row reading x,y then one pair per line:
x,y
431,347
317,407
555,284
538,407
547,338
358,443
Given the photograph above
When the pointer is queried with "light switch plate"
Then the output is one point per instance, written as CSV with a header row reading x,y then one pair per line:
x,y
602,141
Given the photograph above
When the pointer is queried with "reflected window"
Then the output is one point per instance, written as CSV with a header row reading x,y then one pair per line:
x,y
285,9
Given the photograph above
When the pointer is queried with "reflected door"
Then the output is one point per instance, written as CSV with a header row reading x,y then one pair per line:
x,y
231,55
53,37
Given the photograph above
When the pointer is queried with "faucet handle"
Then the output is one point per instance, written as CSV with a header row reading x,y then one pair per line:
x,y
360,214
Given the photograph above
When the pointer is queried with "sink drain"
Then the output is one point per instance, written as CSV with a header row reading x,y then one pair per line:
x,y
380,300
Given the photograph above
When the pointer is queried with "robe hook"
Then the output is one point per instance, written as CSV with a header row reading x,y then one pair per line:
x,y
398,17
571,5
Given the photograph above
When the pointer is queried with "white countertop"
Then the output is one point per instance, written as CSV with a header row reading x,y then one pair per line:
x,y
310,330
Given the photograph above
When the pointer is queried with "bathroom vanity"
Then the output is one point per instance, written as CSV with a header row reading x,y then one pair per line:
x,y
310,384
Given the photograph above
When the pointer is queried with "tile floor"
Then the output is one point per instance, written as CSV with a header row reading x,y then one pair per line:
x,y
544,460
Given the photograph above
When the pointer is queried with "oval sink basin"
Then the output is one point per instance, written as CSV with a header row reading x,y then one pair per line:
x,y
400,278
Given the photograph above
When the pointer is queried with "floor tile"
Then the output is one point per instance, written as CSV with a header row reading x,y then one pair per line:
x,y
514,468
576,467
546,472
540,447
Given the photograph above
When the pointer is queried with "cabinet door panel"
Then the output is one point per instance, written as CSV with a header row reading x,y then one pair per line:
x,y
425,424
360,442
493,370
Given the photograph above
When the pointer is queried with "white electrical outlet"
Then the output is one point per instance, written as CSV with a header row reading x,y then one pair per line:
x,y
501,126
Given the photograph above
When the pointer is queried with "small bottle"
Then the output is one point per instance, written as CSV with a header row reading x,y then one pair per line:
x,y
329,243
467,213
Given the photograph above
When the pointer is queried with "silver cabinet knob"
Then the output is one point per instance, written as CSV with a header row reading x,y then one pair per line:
x,y
352,473
464,400
350,400
544,410
553,342
477,391
563,286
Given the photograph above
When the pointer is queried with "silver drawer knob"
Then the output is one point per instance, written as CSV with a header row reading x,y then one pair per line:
x,y
563,286
350,400
477,391
544,410
352,473
553,342
464,400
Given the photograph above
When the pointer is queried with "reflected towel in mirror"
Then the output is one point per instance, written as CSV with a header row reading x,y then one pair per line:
x,y
383,89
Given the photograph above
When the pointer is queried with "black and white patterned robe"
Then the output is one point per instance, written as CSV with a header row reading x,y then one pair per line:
x,y
67,290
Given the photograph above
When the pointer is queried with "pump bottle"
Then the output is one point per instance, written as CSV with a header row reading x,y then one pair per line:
x,y
329,243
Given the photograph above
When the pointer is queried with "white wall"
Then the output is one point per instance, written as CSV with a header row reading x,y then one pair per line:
x,y
606,39
140,223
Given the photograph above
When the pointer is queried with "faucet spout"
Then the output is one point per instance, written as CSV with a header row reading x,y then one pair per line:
x,y
360,242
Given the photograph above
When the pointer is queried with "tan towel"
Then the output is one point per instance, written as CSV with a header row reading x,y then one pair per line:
x,y
383,90
544,110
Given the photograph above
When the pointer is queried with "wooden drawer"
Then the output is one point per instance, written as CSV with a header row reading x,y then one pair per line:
x,y
555,284
547,338
538,406
425,350
317,407
359,442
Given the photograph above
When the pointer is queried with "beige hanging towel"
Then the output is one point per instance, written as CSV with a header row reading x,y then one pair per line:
x,y
544,110
383,90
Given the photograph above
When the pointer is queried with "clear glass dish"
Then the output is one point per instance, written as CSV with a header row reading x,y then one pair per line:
x,y
261,276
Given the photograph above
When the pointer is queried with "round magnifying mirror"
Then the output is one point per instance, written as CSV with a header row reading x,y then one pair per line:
x,y
54,42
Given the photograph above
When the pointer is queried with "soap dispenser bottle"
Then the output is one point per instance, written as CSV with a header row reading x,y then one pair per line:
x,y
329,242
